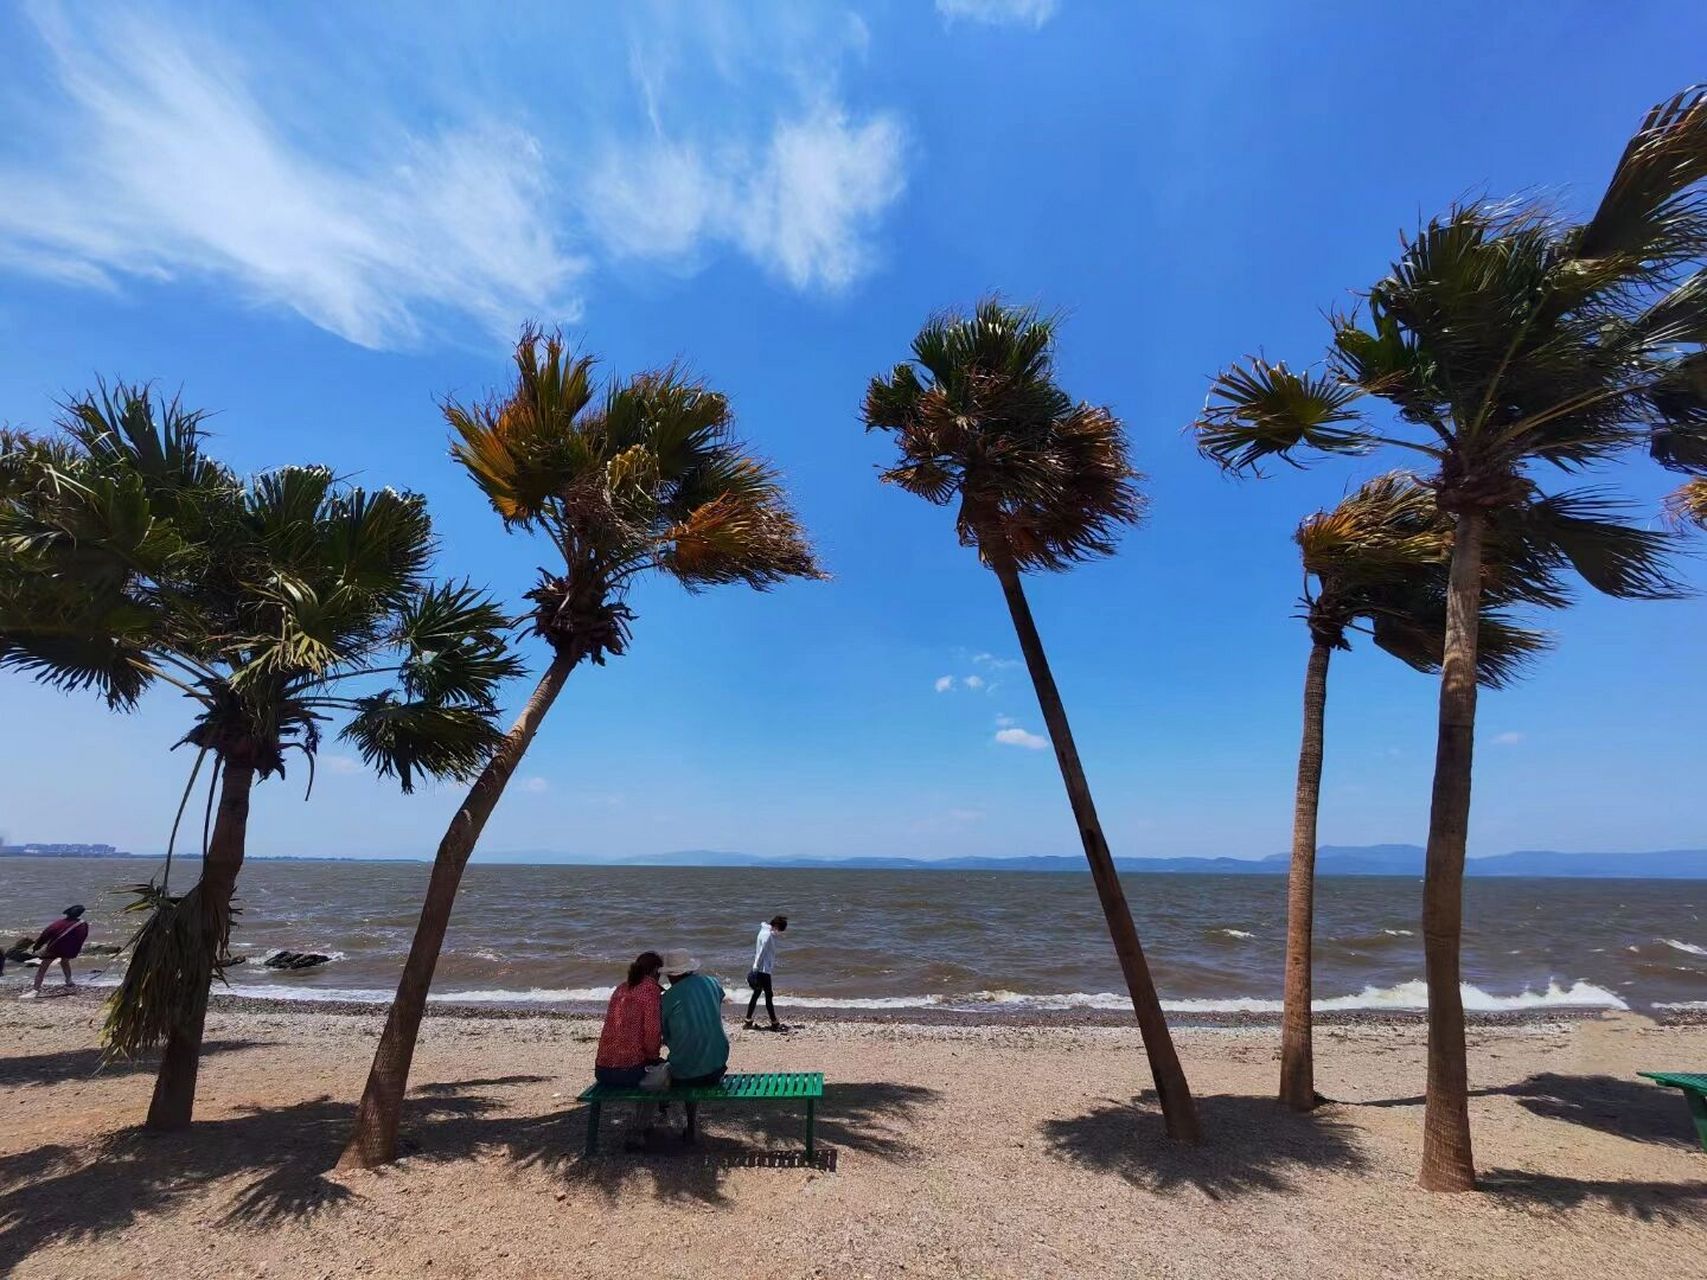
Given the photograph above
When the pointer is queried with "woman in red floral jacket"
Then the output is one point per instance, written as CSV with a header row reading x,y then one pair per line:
x,y
632,1039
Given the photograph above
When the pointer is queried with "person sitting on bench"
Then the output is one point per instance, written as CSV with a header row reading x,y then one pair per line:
x,y
632,1039
693,1023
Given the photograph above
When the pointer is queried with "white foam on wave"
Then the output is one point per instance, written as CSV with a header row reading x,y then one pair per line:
x,y
1403,997
1681,1004
1233,933
1689,947
1397,933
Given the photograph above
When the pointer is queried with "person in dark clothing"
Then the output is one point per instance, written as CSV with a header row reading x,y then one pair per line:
x,y
62,941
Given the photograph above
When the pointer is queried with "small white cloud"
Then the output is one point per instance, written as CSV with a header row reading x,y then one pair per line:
x,y
338,764
1002,722
1508,739
974,682
1017,737
1002,13
535,784
944,684
993,663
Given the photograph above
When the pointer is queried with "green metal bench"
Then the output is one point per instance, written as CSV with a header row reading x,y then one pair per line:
x,y
1694,1086
773,1086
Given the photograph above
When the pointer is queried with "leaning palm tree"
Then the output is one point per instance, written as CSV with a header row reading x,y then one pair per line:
x,y
1041,483
648,477
130,558
1376,563
1506,337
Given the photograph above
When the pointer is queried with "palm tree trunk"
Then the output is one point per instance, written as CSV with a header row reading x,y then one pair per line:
x,y
1447,1164
1297,1058
1178,1111
373,1141
174,1099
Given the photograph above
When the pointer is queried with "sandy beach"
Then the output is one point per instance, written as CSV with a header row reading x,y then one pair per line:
x,y
949,1150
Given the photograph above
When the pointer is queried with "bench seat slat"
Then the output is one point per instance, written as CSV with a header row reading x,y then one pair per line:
x,y
768,1086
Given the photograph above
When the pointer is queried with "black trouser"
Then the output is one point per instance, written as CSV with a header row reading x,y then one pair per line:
x,y
761,985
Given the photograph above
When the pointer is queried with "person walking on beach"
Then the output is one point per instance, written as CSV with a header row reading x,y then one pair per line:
x,y
693,1023
62,941
764,962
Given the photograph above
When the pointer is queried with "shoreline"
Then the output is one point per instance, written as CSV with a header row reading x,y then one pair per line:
x,y
994,1016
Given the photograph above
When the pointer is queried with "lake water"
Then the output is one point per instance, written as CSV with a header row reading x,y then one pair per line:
x,y
561,935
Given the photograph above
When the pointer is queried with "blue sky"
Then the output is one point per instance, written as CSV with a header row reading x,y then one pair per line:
x,y
317,219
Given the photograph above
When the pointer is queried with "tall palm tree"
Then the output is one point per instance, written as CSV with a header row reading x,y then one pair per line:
x,y
647,478
129,558
1503,338
1041,482
1377,563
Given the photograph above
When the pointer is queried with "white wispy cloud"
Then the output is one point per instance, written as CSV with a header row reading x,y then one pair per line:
x,y
993,663
534,784
157,151
944,684
1017,737
1032,13
165,166
974,682
1508,739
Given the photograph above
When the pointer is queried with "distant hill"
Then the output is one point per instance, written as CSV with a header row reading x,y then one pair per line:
x,y
1331,860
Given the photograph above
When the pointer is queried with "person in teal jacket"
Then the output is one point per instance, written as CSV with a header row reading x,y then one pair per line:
x,y
693,1023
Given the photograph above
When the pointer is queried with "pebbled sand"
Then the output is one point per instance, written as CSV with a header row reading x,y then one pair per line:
x,y
957,1151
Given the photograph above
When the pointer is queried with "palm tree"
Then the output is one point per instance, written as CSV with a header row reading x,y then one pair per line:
x,y
131,558
1506,337
1042,483
649,478
1378,561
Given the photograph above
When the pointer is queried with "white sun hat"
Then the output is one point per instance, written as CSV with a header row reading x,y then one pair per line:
x,y
679,961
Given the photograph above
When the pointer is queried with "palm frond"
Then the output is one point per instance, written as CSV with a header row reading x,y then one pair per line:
x,y
1586,530
1688,504
409,740
1652,212
455,650
1259,410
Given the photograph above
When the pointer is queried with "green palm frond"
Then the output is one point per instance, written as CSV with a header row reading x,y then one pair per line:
x,y
1381,558
978,416
1652,212
411,739
1259,410
1587,531
455,649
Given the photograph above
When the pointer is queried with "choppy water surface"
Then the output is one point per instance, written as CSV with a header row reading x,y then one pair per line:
x,y
557,935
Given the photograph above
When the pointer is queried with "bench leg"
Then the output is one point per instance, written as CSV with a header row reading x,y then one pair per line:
x,y
1698,1110
691,1133
593,1109
811,1124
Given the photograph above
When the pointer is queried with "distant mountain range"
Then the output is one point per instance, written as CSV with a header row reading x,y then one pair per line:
x,y
1331,860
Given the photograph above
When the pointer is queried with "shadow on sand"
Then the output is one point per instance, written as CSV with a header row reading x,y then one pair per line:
x,y
1631,1109
87,1064
283,1155
1673,1203
1250,1144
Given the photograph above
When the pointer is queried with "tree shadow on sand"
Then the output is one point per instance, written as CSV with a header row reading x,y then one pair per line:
x,y
1632,1109
871,1118
89,1064
68,1193
1250,1144
1673,1203
65,1193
